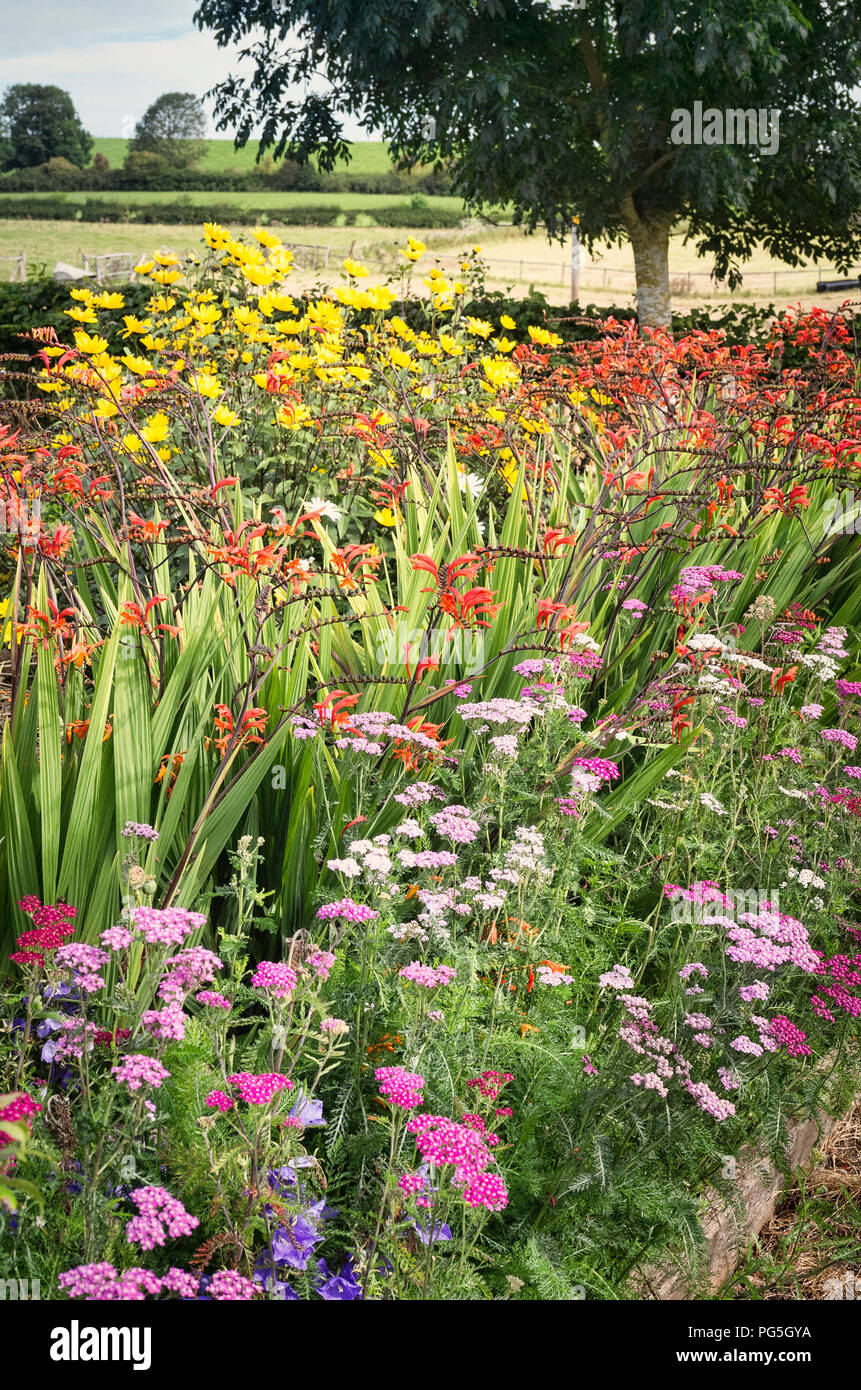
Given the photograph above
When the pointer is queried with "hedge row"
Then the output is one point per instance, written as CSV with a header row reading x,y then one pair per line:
x,y
414,214
62,177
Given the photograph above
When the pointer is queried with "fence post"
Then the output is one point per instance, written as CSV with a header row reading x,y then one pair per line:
x,y
22,267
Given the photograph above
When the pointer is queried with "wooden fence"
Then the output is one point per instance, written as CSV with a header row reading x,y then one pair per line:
x,y
111,269
18,267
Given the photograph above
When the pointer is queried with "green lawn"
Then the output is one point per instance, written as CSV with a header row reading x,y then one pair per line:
x,y
265,201
45,243
369,156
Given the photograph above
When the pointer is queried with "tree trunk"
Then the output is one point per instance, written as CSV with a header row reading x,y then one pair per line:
x,y
651,243
575,261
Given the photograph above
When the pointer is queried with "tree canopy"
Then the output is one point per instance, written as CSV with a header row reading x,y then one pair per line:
x,y
562,111
38,123
173,128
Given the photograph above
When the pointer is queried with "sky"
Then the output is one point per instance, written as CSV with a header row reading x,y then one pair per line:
x,y
114,58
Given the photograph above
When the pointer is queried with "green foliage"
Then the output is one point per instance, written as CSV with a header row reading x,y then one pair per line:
x,y
39,123
172,129
568,112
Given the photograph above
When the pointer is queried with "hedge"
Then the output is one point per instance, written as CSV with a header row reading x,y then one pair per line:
x,y
414,214
62,177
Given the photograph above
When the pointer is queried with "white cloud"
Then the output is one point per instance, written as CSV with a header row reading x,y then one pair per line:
x,y
113,83
112,80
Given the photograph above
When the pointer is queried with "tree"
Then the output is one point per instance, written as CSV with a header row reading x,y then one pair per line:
x,y
562,109
174,128
39,123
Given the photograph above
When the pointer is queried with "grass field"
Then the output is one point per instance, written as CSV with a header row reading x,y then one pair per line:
x,y
514,261
368,156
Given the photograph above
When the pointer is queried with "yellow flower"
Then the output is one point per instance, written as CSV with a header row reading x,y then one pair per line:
x,y
506,321
379,297
106,408
500,372
544,337
215,236
414,249
269,303
293,416
382,459
205,385
85,296
449,345
108,300
156,429
399,358
81,315
259,275
139,365
91,346
167,277
144,268
247,320
266,238
386,517
402,328
224,416
293,325
479,327
355,268
504,344
207,315
324,314
135,325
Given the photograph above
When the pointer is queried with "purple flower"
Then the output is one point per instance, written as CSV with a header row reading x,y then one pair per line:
x,y
431,1233
309,1113
263,1275
294,1245
338,1288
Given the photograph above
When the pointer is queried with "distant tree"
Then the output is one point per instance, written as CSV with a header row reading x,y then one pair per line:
x,y
39,123
174,128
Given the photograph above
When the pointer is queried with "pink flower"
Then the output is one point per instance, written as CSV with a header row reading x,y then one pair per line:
x,y
259,1089
400,1087
160,1216
212,1000
219,1100
278,979
136,1070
